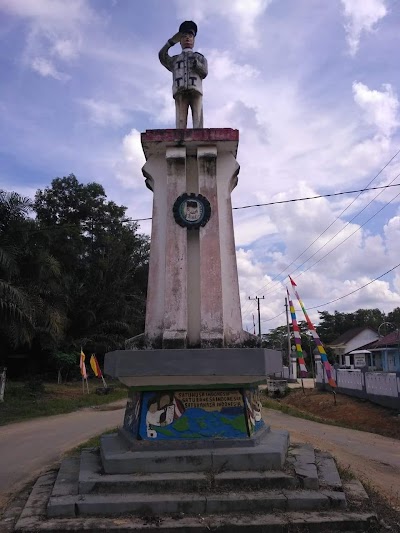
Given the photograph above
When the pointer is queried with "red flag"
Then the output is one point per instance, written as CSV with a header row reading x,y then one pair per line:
x,y
95,366
292,282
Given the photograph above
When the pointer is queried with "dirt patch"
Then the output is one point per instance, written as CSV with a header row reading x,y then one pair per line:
x,y
348,412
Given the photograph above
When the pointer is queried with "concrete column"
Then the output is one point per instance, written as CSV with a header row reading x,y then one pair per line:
x,y
227,171
155,170
175,302
211,307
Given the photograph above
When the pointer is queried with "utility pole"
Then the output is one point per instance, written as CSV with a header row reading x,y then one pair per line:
x,y
258,309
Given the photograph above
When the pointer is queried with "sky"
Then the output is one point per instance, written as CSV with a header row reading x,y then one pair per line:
x,y
312,86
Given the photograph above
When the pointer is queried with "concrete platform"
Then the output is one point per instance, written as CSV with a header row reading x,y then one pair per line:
x,y
269,454
199,490
33,518
83,488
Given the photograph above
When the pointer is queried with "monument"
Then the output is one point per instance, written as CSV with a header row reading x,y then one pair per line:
x,y
194,452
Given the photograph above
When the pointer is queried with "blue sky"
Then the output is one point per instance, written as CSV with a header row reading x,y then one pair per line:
x,y
311,85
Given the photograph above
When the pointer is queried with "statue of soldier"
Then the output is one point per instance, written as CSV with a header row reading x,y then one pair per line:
x,y
188,70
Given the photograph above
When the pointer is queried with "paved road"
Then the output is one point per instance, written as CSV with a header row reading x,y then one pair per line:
x,y
371,457
28,448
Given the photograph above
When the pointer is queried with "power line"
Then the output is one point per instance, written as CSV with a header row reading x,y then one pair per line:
x,y
315,197
336,234
331,224
341,297
293,200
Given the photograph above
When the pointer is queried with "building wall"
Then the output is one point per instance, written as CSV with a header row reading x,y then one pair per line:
x,y
363,338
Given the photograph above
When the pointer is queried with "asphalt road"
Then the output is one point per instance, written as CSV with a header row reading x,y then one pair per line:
x,y
28,448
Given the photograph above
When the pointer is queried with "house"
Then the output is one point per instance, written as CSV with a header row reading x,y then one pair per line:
x,y
385,352
353,339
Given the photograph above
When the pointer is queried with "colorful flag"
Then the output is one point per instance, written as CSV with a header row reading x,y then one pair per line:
x,y
297,338
95,366
316,338
82,365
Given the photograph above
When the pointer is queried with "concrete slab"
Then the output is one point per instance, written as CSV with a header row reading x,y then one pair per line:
x,y
327,471
92,480
142,504
306,500
67,478
271,479
253,502
185,367
302,458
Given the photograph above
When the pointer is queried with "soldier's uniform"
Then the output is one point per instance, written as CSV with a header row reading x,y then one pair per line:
x,y
188,70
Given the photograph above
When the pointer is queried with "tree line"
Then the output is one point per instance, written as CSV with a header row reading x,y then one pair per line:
x,y
73,272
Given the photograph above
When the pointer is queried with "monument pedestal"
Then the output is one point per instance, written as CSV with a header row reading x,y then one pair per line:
x,y
196,394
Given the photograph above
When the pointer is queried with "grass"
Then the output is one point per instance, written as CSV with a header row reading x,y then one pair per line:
x,y
93,442
270,403
24,401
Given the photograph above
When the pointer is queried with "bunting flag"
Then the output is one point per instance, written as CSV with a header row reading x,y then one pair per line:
x,y
82,365
317,340
95,366
297,338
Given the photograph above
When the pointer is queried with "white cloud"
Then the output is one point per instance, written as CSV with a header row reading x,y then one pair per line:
x,y
380,107
55,31
65,49
129,162
243,16
46,68
361,16
105,113
50,11
223,66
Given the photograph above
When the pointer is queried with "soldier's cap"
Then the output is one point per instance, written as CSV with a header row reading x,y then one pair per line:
x,y
188,27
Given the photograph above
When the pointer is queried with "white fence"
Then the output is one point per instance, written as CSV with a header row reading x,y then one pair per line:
x,y
378,387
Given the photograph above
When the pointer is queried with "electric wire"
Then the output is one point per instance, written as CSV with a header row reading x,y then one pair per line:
x,y
272,289
340,297
330,225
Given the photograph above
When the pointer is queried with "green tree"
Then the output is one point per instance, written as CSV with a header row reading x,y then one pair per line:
x,y
29,277
104,262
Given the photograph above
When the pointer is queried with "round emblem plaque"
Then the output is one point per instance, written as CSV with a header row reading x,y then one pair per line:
x,y
192,210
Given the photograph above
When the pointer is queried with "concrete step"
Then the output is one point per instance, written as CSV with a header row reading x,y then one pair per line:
x,y
195,503
33,516
93,480
270,454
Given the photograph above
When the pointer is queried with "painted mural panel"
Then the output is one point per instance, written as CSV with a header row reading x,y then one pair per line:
x,y
196,414
253,405
132,411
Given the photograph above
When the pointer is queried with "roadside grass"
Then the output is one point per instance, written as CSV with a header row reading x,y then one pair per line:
x,y
24,401
387,509
270,403
342,411
93,442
